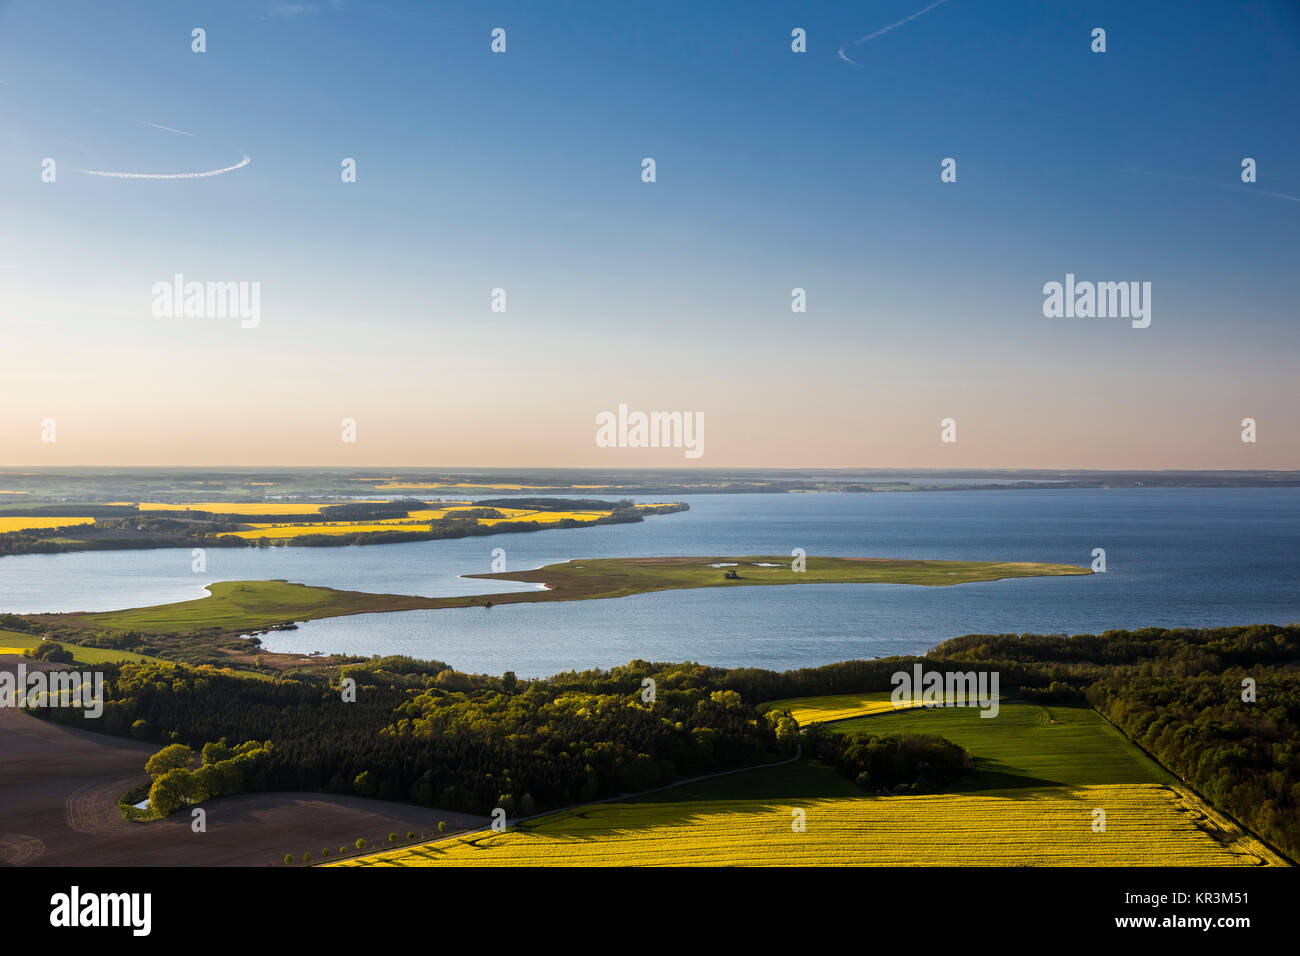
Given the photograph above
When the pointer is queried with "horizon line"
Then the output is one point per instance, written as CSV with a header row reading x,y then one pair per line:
x,y
664,467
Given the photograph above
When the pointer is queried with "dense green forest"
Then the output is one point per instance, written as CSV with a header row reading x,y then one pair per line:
x,y
422,732
890,763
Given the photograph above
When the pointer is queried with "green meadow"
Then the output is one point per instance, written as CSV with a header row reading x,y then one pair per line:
x,y
1026,744
12,642
616,577
245,605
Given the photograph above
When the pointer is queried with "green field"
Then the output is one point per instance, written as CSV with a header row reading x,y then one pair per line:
x,y
244,606
1027,745
12,642
617,577
256,605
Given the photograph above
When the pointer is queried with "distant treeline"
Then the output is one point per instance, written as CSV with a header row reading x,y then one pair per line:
x,y
585,504
558,504
364,511
70,511
131,534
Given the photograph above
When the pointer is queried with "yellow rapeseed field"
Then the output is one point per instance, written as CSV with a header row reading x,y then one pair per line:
x,y
544,517
817,710
416,521
298,530
37,524
1145,825
395,485
420,515
389,484
228,508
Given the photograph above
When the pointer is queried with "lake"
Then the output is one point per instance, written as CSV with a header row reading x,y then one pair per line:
x,y
1191,557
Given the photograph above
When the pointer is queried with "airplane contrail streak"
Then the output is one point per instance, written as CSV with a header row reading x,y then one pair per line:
x,y
167,128
883,30
1235,187
211,172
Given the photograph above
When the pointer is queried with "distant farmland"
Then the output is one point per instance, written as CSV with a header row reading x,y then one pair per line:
x,y
414,521
43,527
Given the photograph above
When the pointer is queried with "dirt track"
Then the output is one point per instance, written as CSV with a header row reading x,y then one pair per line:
x,y
58,807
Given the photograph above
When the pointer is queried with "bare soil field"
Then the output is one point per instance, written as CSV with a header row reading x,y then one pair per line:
x,y
58,807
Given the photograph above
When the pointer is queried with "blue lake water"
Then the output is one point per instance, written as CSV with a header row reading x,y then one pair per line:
x,y
1192,557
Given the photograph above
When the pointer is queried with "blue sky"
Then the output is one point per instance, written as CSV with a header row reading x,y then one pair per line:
x,y
775,170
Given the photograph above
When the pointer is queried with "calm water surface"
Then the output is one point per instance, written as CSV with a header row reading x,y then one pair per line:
x,y
1198,557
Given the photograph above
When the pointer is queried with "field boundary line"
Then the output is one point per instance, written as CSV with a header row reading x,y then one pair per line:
x,y
1286,859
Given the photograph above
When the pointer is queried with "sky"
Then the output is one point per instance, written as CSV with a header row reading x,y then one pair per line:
x,y
774,170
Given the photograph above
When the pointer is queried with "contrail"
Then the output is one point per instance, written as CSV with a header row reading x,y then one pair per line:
x,y
1235,187
167,128
211,172
884,30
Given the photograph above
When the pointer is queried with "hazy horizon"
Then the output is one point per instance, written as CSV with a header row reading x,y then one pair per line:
x,y
480,470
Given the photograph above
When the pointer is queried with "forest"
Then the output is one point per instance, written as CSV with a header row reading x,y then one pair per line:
x,y
416,730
